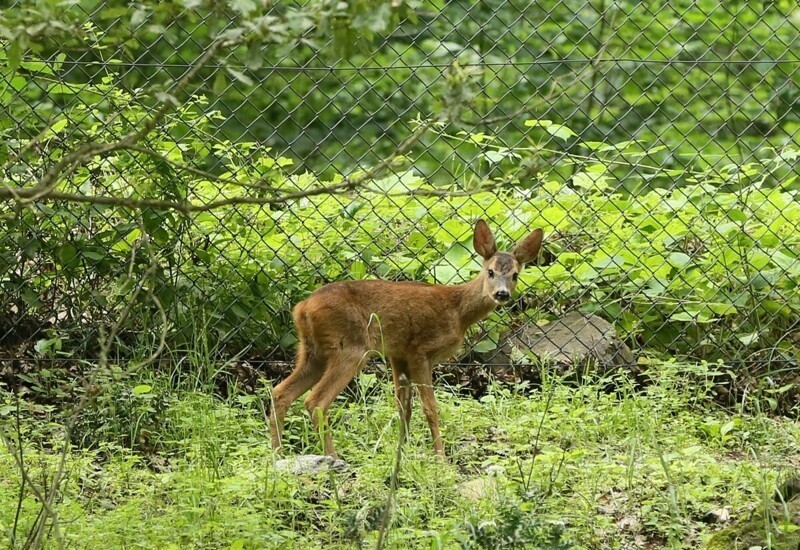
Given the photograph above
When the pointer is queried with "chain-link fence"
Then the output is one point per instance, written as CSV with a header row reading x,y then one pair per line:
x,y
195,171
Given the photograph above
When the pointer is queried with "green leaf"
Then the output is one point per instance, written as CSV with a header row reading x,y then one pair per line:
x,y
585,273
13,54
67,255
737,215
351,209
485,346
748,339
458,256
614,262
241,77
239,311
690,316
404,181
55,128
288,340
444,273
244,7
679,259
721,308
142,389
358,270
43,346
560,131
494,157
537,122
590,181
93,255
786,262
220,83
727,428
139,16
557,130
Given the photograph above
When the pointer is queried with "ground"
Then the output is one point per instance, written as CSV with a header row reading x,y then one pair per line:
x,y
600,464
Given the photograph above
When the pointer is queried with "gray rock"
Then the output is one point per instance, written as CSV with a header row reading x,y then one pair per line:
x,y
310,464
477,489
574,339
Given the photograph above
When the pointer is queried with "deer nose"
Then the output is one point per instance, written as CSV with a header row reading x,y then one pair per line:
x,y
501,295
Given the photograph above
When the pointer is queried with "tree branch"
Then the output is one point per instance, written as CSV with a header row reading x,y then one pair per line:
x,y
38,193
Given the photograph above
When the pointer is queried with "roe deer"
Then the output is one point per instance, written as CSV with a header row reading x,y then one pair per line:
x,y
414,325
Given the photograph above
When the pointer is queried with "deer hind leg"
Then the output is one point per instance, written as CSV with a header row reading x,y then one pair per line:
x,y
340,369
402,389
422,377
307,372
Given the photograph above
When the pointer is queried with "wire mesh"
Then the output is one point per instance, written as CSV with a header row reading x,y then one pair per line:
x,y
655,143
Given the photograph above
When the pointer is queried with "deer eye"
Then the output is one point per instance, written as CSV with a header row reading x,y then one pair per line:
x,y
491,273
514,277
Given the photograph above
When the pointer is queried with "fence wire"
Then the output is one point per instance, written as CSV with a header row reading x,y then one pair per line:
x,y
656,144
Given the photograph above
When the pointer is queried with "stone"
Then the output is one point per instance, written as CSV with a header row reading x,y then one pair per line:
x,y
476,489
310,464
576,339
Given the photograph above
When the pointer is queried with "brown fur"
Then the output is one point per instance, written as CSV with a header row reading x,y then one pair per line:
x,y
414,325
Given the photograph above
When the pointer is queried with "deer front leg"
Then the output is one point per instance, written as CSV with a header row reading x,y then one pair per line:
x,y
422,376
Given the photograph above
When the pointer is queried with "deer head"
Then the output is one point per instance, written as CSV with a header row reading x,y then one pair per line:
x,y
501,269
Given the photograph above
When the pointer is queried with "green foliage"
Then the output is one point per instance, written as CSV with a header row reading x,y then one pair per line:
x,y
707,267
516,527
707,104
695,259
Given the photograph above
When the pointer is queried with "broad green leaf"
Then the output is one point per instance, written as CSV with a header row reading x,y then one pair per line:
x,y
240,76
749,338
358,270
459,255
67,255
679,259
485,346
494,157
689,316
239,311
557,130
13,54
93,255
444,273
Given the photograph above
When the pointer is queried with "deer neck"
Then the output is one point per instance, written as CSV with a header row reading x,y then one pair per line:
x,y
473,304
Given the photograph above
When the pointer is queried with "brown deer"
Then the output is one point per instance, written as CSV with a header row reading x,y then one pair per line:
x,y
414,325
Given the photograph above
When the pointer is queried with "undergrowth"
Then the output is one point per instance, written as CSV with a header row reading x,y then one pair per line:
x,y
164,465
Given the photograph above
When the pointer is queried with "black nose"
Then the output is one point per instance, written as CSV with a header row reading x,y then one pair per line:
x,y
501,295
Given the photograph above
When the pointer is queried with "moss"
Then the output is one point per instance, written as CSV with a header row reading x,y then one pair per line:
x,y
784,530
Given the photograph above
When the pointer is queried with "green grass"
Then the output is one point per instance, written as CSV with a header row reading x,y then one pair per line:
x,y
611,469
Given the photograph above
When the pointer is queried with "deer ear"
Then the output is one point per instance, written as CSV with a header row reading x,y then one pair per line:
x,y
529,248
483,240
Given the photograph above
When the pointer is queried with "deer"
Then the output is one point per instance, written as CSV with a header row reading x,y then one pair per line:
x,y
415,325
